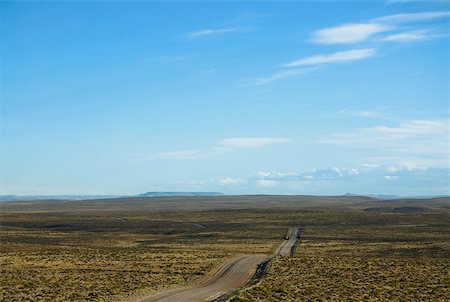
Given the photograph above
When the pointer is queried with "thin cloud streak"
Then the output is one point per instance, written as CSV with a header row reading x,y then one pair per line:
x,y
223,146
412,17
362,113
411,129
347,33
312,63
418,140
215,32
252,142
337,57
409,36
351,33
283,75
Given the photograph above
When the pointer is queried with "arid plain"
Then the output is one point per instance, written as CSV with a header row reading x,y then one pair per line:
x,y
350,248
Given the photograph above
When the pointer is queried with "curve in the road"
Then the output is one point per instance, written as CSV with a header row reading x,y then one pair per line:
x,y
233,275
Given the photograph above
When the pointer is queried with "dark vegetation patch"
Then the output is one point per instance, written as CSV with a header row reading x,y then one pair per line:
x,y
410,210
100,250
372,254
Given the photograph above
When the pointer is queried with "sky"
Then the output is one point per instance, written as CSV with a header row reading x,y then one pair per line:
x,y
260,97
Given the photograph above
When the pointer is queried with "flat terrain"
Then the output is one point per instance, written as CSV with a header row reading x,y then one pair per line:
x,y
393,254
233,275
351,248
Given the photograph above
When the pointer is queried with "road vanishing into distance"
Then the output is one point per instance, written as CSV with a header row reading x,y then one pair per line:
x,y
232,275
285,249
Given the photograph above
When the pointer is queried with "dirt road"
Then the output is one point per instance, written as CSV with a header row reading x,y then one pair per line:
x,y
285,249
232,275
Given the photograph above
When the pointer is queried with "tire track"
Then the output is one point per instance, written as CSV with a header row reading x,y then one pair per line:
x,y
231,276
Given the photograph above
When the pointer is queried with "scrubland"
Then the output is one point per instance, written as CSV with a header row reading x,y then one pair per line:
x,y
106,256
354,249
363,256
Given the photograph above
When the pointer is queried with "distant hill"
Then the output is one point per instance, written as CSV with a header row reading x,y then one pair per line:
x,y
162,194
186,194
55,197
377,196
392,197
92,197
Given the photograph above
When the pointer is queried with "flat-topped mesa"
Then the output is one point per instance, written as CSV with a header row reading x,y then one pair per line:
x,y
162,194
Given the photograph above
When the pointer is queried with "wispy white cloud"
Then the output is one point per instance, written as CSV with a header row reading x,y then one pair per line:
x,y
416,142
276,175
391,177
378,113
412,17
337,57
283,74
215,32
362,179
347,33
370,165
230,181
359,32
223,146
315,174
313,63
369,179
410,129
409,36
381,29
251,142
266,183
179,155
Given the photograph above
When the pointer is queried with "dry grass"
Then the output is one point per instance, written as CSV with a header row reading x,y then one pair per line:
x,y
81,274
358,256
102,251
49,257
309,278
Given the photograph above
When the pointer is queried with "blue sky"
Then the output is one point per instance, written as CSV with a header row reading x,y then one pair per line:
x,y
238,97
